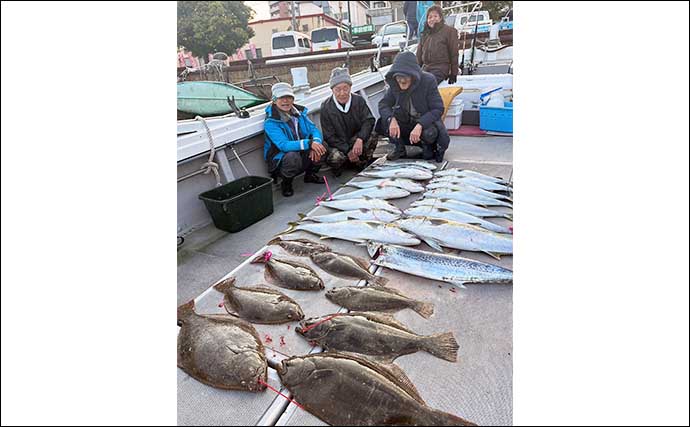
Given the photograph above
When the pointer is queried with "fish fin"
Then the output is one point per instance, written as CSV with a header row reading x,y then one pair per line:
x,y
359,261
493,255
433,243
443,346
274,241
402,380
185,310
379,281
302,217
225,285
259,259
508,217
325,237
424,309
385,319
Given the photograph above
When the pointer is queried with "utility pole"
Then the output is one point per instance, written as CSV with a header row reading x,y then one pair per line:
x,y
349,23
294,18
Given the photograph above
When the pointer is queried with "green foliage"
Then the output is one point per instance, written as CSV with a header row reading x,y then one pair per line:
x,y
497,9
213,26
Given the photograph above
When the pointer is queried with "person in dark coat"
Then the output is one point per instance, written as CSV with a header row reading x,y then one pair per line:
x,y
411,110
347,125
293,142
437,51
410,10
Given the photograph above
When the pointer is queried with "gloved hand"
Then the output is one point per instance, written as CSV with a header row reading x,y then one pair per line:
x,y
452,79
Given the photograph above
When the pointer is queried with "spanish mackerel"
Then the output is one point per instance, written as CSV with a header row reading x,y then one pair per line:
x,y
436,266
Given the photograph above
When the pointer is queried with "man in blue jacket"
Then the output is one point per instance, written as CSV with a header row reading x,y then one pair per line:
x,y
411,110
293,142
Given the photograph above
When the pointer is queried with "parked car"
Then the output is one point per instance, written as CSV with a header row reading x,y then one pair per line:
x,y
329,38
395,34
289,42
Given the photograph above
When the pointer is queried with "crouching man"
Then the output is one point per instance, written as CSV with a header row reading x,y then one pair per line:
x,y
347,124
411,110
293,142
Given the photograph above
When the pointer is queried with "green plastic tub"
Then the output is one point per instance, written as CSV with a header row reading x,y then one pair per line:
x,y
238,204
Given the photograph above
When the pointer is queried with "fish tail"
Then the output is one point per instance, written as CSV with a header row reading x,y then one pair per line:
x,y
274,241
292,227
443,346
440,418
259,260
508,217
185,310
425,309
302,216
379,281
225,285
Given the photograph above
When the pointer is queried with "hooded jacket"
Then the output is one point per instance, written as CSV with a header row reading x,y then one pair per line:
x,y
339,129
280,136
423,94
437,52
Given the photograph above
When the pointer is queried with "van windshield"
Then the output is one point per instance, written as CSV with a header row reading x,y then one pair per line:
x,y
324,35
283,42
394,29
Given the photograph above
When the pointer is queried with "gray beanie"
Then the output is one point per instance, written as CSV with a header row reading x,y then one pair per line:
x,y
340,75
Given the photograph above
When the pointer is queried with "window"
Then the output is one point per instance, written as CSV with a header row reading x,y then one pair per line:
x,y
378,5
300,42
394,29
305,28
258,53
248,53
306,43
324,35
283,42
187,62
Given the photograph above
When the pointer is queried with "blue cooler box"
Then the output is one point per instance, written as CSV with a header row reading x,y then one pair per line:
x,y
496,119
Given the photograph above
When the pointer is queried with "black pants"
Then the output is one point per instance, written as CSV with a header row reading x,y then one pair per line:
x,y
337,158
294,163
428,138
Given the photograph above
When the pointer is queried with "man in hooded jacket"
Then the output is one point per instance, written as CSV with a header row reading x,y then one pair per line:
x,y
411,110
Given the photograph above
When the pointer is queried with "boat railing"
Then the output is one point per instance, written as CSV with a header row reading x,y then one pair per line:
x,y
377,59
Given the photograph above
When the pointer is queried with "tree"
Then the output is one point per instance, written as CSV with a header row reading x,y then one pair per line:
x,y
497,9
205,27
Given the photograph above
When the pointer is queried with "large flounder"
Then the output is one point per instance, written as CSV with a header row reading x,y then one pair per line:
x,y
348,390
220,350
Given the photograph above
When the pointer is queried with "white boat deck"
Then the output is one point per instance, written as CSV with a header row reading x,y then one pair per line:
x,y
478,387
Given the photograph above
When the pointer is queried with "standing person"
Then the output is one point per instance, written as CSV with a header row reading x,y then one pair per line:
x,y
411,110
422,7
437,51
347,123
293,142
410,10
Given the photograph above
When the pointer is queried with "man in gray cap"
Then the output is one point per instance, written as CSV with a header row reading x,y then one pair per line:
x,y
347,125
293,142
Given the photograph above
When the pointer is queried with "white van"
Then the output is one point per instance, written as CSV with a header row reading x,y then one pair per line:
x,y
329,38
289,43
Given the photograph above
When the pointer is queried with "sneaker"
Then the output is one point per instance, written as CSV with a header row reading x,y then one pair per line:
x,y
428,152
438,156
286,186
337,171
313,178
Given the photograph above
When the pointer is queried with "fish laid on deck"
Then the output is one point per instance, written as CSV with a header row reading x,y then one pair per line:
x,y
289,274
220,350
375,335
377,298
437,266
347,266
359,232
258,304
331,387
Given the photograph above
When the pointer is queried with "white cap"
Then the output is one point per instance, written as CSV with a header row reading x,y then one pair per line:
x,y
280,90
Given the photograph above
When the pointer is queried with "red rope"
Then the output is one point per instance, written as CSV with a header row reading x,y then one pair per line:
x,y
267,385
318,323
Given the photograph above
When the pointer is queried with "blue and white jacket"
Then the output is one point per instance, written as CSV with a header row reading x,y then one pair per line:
x,y
280,134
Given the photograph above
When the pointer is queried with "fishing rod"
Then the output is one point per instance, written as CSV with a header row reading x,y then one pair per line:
x,y
474,41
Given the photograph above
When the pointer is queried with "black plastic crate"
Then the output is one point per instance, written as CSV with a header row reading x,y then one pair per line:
x,y
238,204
